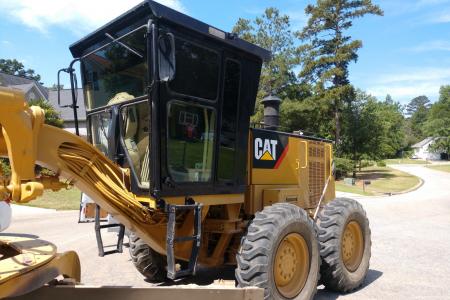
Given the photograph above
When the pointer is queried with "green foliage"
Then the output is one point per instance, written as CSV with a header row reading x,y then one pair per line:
x,y
321,100
52,117
381,163
55,87
417,110
389,99
302,115
420,102
366,163
372,129
5,170
343,167
272,31
437,124
15,67
327,52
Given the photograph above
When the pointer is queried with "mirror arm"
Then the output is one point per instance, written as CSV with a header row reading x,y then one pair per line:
x,y
74,89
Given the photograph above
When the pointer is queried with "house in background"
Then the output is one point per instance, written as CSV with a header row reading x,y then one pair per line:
x,y
422,150
67,112
34,90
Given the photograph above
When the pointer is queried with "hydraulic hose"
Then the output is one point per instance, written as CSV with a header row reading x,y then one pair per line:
x,y
105,177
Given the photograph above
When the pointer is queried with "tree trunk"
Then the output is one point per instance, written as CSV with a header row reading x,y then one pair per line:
x,y
337,120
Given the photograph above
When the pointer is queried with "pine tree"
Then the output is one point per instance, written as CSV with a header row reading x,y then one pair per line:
x,y
272,31
418,103
327,51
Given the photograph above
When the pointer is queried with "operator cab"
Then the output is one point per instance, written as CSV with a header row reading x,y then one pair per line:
x,y
171,98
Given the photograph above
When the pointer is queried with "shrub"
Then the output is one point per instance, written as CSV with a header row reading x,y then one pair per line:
x,y
381,163
366,163
5,170
343,167
52,117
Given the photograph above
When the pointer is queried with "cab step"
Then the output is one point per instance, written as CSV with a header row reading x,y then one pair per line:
x,y
172,239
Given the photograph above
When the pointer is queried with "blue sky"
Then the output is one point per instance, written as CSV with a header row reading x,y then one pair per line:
x,y
405,54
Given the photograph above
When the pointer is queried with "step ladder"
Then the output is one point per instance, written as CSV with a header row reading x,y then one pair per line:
x,y
98,235
172,239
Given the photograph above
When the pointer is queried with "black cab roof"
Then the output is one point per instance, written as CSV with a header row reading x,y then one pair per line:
x,y
151,9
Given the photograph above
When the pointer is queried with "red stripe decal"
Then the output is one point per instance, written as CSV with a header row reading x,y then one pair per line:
x,y
282,157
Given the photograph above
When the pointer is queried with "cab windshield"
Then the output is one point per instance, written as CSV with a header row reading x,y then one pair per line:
x,y
117,72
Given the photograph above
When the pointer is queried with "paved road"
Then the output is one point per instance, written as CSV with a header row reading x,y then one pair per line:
x,y
410,242
410,238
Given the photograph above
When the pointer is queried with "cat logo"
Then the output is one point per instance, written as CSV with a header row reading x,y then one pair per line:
x,y
269,149
266,149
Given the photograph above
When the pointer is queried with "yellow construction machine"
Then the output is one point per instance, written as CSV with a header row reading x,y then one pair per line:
x,y
171,155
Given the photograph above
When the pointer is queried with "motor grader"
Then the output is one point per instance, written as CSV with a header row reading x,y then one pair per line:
x,y
171,155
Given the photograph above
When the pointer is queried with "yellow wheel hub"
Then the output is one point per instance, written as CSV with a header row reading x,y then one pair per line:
x,y
291,265
352,246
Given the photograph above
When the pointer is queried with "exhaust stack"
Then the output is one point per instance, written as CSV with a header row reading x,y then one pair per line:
x,y
271,112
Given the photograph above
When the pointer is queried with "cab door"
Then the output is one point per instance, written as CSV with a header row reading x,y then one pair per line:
x,y
189,105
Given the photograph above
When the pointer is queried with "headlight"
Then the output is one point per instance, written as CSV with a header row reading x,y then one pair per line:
x,y
5,215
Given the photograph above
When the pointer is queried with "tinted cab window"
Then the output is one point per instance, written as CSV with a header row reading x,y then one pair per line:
x,y
197,71
116,70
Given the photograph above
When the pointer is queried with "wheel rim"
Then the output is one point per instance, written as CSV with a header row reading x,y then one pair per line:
x,y
352,246
291,265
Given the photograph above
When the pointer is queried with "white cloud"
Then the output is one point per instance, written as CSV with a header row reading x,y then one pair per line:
x,y
442,17
6,43
422,3
437,45
79,16
405,92
405,85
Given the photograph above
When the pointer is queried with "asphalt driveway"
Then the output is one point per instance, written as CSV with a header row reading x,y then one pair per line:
x,y
410,244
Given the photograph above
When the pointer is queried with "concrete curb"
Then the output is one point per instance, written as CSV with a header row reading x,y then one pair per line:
x,y
415,188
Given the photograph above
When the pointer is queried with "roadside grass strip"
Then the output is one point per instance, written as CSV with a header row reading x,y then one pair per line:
x,y
383,180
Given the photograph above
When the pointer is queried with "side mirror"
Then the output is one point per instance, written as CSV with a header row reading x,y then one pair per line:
x,y
167,64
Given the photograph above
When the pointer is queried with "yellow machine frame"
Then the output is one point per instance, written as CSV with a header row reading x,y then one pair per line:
x,y
300,178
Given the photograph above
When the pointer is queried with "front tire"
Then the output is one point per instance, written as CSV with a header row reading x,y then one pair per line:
x,y
280,253
148,262
345,243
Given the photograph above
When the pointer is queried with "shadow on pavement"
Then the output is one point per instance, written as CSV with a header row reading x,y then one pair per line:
x,y
205,276
24,235
208,276
323,294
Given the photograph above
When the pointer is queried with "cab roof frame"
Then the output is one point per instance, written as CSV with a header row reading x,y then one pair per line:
x,y
151,9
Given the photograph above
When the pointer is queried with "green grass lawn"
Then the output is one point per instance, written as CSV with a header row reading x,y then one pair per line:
x,y
383,180
61,200
445,168
405,161
342,187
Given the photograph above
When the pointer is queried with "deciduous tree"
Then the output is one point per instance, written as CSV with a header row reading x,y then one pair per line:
x,y
15,67
437,124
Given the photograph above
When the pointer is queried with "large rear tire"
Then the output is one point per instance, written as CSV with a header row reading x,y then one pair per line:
x,y
344,237
280,253
147,261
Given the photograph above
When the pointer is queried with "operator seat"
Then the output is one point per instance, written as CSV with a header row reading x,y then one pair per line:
x,y
136,135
